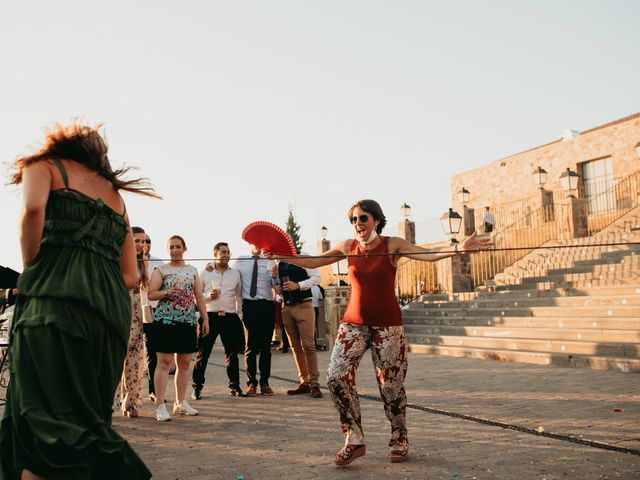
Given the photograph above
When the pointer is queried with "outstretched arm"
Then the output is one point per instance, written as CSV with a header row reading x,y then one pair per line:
x,y
402,247
326,258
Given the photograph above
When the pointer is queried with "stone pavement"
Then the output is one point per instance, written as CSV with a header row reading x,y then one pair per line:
x,y
295,437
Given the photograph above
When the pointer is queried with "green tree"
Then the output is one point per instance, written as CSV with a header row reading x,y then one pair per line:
x,y
293,229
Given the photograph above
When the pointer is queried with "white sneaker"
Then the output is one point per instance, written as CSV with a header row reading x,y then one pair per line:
x,y
184,408
162,415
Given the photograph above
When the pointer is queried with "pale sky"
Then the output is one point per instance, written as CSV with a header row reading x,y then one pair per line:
x,y
236,110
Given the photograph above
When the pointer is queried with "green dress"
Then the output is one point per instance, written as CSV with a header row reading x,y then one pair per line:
x,y
67,348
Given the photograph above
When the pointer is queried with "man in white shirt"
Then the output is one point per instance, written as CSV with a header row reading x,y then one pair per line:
x,y
222,289
489,220
258,316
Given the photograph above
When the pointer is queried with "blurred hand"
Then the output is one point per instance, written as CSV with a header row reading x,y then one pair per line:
x,y
203,330
473,242
289,286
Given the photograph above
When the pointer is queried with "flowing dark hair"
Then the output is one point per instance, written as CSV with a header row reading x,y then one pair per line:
x,y
84,145
142,268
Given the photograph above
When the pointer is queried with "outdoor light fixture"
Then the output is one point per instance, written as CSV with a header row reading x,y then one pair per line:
x,y
569,181
406,210
638,149
464,195
540,176
324,231
451,222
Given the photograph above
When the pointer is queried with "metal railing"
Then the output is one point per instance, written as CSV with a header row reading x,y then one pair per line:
x,y
414,278
528,233
610,204
534,227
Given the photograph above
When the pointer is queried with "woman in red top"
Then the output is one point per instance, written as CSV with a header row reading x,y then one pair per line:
x,y
373,320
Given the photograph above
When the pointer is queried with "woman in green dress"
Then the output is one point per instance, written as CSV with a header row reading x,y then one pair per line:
x,y
71,325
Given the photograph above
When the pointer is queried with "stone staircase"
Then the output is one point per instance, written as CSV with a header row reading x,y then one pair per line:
x,y
573,306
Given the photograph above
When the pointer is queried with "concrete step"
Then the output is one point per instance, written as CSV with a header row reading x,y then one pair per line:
x,y
619,274
526,302
632,290
603,349
556,283
563,334
538,358
536,311
573,266
629,324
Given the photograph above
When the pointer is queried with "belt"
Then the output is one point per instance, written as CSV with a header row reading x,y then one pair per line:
x,y
300,302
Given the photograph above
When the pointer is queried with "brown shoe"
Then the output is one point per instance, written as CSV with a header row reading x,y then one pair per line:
x,y
315,392
266,390
302,388
399,450
349,453
252,391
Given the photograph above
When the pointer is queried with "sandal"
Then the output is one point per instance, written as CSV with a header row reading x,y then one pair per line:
x,y
399,450
349,453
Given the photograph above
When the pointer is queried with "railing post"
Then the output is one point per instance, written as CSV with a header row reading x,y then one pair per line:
x,y
407,230
454,274
576,217
335,304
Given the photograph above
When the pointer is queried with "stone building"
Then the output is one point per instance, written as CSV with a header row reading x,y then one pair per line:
x,y
601,156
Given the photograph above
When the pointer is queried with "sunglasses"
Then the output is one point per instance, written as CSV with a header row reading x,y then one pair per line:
x,y
364,218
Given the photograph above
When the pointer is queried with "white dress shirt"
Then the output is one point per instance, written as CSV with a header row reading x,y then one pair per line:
x,y
244,265
230,284
316,295
313,280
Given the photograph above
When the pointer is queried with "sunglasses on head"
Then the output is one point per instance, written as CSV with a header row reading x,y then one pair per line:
x,y
364,218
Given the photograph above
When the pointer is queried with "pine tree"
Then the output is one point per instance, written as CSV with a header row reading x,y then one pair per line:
x,y
293,229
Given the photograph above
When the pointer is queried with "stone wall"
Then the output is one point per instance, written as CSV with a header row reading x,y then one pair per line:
x,y
510,178
335,304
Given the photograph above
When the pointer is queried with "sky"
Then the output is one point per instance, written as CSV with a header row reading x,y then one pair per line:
x,y
238,111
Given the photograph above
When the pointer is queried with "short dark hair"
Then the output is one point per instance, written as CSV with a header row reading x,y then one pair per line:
x,y
135,230
372,207
217,246
178,237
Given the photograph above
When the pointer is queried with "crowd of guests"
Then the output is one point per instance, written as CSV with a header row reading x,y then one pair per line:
x,y
74,227
178,312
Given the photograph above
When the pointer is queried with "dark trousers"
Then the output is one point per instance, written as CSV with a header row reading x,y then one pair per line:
x,y
229,327
152,360
259,319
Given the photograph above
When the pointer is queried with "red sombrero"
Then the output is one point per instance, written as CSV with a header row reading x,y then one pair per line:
x,y
270,237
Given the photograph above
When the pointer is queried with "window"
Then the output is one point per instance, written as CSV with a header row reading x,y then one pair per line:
x,y
597,178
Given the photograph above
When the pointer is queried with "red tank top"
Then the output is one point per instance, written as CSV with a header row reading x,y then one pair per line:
x,y
372,301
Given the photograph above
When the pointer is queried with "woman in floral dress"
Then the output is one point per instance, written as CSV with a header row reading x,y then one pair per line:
x,y
129,391
178,289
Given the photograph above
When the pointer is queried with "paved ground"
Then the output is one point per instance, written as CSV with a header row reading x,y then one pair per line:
x,y
284,437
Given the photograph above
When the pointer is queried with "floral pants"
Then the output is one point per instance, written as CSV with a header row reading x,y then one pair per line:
x,y
129,392
389,353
